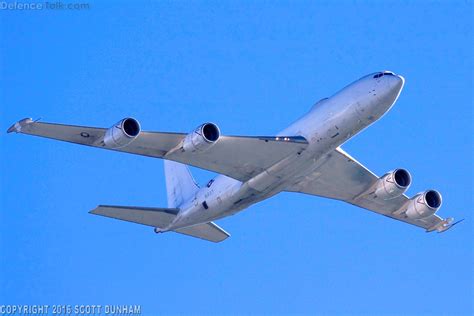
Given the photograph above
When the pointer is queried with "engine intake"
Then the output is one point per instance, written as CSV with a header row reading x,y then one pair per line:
x,y
392,184
202,138
210,132
131,127
424,204
122,133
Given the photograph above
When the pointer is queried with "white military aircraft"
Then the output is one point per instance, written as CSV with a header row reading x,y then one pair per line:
x,y
305,157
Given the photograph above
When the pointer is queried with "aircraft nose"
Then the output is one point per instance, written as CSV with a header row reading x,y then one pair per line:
x,y
385,87
398,82
395,85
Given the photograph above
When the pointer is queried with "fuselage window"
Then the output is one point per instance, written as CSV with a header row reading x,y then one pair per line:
x,y
204,204
210,183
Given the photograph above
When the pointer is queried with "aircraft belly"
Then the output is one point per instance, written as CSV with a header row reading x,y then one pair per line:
x,y
325,128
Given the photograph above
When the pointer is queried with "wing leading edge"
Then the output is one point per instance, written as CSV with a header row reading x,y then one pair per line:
x,y
341,177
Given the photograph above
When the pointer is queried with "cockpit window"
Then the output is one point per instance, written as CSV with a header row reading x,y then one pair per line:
x,y
385,73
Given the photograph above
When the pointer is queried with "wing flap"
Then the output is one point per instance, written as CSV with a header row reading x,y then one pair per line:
x,y
242,157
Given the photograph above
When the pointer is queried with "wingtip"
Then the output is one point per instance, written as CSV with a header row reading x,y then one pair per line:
x,y
444,225
94,211
19,125
451,224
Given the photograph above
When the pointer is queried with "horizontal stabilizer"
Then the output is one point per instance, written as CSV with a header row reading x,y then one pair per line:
x,y
160,217
208,231
155,217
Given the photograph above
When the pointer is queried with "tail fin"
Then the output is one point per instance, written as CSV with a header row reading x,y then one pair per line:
x,y
180,184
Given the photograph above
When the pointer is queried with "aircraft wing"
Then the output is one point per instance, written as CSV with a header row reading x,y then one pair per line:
x,y
239,157
341,177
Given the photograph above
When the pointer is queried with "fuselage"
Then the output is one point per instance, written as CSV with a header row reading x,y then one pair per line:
x,y
329,123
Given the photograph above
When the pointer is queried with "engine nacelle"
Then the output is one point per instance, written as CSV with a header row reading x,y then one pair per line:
x,y
122,133
202,138
424,204
393,184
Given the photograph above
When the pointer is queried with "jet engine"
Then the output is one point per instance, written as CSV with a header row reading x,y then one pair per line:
x,y
122,133
393,184
424,204
202,138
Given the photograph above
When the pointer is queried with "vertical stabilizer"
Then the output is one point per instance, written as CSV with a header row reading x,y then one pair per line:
x,y
180,185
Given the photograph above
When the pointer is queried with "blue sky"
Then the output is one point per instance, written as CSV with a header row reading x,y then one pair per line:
x,y
253,68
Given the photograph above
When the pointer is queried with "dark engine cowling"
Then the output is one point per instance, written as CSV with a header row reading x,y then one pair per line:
x,y
424,204
392,184
122,133
202,138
